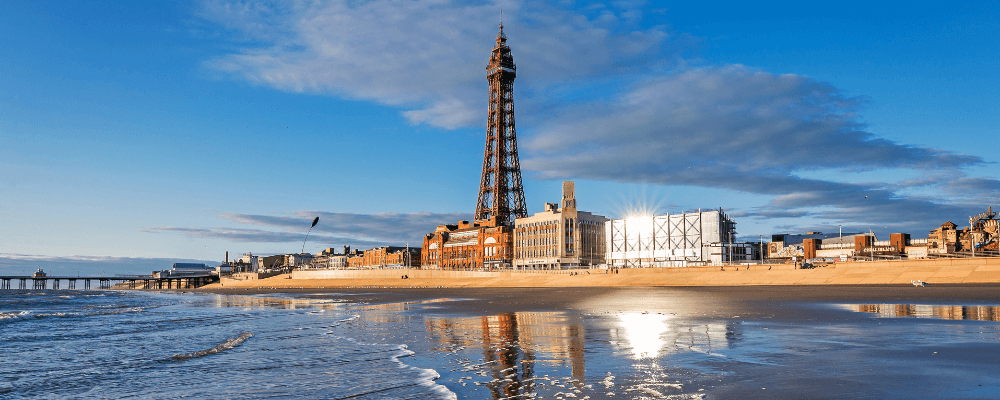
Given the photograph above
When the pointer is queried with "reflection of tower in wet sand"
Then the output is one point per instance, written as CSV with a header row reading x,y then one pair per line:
x,y
576,343
511,342
501,345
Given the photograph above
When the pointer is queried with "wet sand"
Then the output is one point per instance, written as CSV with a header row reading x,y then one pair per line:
x,y
750,300
718,342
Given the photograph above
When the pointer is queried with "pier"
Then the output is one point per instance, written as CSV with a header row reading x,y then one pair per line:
x,y
103,282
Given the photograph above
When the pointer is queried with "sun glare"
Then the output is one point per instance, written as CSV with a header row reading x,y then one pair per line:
x,y
644,333
639,224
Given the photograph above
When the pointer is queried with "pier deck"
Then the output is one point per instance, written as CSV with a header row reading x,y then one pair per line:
x,y
103,282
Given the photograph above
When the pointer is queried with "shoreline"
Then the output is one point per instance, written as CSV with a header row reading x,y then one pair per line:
x,y
980,271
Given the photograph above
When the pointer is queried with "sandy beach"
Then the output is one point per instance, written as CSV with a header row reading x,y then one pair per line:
x,y
936,273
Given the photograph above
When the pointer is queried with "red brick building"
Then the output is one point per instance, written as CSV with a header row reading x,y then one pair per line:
x,y
386,257
482,245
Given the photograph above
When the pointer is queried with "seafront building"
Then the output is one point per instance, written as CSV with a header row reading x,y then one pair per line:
x,y
252,263
561,237
376,258
468,246
948,240
828,245
674,240
386,257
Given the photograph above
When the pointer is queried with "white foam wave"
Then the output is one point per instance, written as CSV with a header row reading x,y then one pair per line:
x,y
426,377
56,314
118,311
348,319
13,315
227,345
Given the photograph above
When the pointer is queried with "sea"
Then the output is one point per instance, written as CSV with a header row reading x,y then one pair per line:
x,y
64,344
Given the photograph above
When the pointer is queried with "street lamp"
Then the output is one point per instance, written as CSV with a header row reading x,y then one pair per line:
x,y
315,221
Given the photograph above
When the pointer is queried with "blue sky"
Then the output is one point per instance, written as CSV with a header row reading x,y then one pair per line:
x,y
186,129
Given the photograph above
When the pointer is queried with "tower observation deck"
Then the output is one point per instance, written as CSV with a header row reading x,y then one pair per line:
x,y
501,195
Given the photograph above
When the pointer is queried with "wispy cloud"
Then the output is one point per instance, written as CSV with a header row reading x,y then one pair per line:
x,y
237,234
334,229
426,56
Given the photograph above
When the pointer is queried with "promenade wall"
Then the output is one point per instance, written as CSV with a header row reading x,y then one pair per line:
x,y
942,271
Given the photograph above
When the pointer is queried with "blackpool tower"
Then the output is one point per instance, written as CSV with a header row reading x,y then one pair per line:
x,y
501,195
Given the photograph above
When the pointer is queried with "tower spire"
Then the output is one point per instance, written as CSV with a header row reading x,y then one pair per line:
x,y
501,195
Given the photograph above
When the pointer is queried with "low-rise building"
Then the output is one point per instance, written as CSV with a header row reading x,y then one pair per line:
x,y
560,237
811,245
252,263
818,246
386,257
298,260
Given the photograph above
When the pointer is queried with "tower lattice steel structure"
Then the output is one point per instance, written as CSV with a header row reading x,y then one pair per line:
x,y
501,194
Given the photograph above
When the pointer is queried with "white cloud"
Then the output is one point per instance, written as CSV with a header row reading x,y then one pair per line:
x,y
741,129
428,57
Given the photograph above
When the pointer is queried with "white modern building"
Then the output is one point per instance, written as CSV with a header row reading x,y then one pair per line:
x,y
674,240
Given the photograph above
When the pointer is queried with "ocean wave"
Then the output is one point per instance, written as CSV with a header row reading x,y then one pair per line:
x,y
13,314
117,310
348,319
227,345
426,377
56,314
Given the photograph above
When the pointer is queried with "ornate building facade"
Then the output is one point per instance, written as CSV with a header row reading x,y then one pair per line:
x,y
468,246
